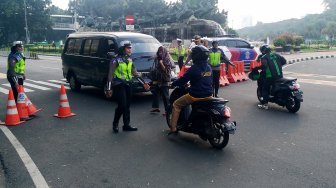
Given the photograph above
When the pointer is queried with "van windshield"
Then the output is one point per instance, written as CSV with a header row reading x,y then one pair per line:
x,y
144,45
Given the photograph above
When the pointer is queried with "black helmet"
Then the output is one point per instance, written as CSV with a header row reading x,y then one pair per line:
x,y
264,49
199,53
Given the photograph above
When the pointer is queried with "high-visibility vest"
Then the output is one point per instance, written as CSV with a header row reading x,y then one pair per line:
x,y
214,58
182,52
124,71
20,65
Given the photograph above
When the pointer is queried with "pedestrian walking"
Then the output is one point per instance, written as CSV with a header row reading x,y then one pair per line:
x,y
160,87
16,67
119,82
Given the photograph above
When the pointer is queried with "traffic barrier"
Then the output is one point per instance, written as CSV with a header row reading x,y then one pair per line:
x,y
12,115
223,80
254,64
242,71
232,77
64,107
32,110
183,70
21,104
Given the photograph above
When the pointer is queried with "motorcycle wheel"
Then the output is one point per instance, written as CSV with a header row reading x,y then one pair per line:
x,y
221,140
293,104
259,95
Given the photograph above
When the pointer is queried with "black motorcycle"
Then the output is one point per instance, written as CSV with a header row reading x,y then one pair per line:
x,y
208,119
284,92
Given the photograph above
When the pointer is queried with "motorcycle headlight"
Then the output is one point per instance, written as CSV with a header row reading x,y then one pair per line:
x,y
227,112
295,86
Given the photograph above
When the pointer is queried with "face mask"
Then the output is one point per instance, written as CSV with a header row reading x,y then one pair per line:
x,y
20,51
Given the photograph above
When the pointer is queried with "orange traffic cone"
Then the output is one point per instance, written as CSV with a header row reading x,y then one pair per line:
x,y
64,108
21,104
32,110
12,116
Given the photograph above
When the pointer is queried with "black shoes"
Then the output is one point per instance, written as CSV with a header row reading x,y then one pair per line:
x,y
115,129
129,128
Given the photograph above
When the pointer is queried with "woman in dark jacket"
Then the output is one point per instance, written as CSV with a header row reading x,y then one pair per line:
x,y
163,65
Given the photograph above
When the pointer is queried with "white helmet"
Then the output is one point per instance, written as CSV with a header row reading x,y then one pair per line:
x,y
17,43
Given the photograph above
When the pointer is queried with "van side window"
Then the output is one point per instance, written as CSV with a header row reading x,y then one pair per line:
x,y
77,46
70,46
87,45
94,48
108,46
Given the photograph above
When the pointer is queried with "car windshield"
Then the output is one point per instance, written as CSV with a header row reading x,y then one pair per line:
x,y
144,45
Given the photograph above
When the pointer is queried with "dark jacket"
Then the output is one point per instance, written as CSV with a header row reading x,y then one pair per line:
x,y
200,77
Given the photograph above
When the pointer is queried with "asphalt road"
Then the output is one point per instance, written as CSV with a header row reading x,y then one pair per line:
x,y
270,148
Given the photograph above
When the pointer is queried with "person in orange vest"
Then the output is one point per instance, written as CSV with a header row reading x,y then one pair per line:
x,y
16,67
119,81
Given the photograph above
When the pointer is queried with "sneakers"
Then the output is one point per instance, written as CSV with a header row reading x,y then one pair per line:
x,y
263,106
155,110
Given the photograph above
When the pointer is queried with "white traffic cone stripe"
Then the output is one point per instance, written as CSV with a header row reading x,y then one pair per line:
x,y
28,102
12,111
64,104
63,97
11,103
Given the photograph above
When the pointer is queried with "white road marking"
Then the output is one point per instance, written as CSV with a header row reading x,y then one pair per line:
x,y
59,82
48,84
34,172
43,67
318,82
3,76
311,75
25,89
36,86
3,90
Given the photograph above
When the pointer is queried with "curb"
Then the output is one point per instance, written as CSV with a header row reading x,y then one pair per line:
x,y
291,61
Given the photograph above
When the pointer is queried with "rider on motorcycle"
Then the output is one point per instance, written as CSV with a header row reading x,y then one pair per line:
x,y
271,66
200,77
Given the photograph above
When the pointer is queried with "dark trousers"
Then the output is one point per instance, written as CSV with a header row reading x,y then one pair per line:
x,y
215,81
12,83
266,89
122,94
180,62
162,91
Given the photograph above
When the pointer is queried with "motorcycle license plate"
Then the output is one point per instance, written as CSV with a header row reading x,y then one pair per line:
x,y
298,95
231,126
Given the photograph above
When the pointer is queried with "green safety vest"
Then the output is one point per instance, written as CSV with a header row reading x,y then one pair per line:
x,y
214,58
183,51
124,71
19,66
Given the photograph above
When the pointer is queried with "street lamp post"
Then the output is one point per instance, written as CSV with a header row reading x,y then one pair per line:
x,y
26,28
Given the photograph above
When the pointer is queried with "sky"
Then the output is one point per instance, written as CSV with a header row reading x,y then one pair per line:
x,y
253,11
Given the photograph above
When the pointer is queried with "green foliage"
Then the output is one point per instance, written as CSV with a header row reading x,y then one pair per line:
x,y
298,40
279,42
12,20
330,30
309,27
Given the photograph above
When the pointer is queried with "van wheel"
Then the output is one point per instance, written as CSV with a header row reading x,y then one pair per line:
x,y
74,84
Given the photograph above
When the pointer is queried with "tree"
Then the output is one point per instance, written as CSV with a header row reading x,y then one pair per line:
x,y
330,30
12,11
330,4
